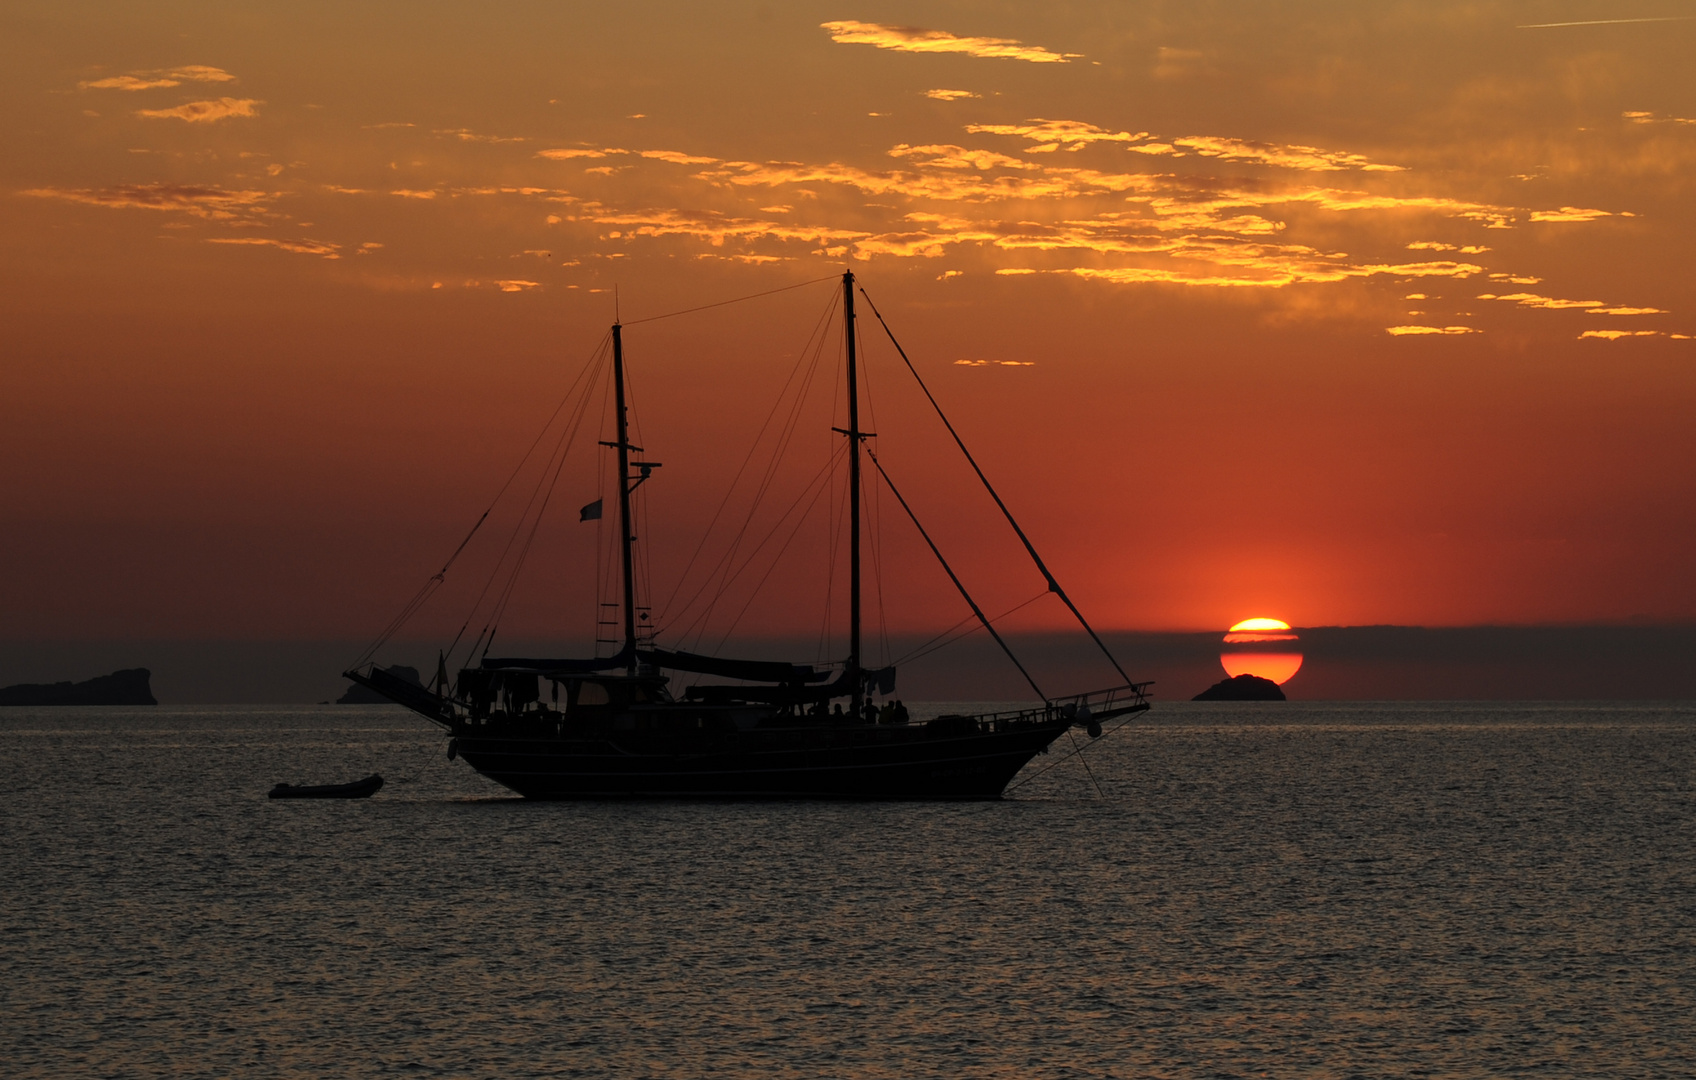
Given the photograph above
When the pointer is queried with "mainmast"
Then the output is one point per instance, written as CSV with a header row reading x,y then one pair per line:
x,y
625,533
853,434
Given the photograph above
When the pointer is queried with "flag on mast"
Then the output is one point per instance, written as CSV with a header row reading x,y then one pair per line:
x,y
592,512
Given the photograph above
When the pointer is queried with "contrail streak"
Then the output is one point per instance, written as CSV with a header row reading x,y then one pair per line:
x,y
1605,22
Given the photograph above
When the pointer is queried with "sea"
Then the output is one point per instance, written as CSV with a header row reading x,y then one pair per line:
x,y
1211,890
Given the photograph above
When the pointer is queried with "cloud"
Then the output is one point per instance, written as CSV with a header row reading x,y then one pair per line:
x,y
127,82
1651,118
467,135
149,80
951,95
1258,266
1593,307
1309,158
1433,245
1615,335
1571,213
1532,300
1120,227
715,228
204,112
914,39
995,363
203,201
410,193
678,158
567,154
1145,275
515,285
1074,135
1403,331
948,156
1059,132
300,247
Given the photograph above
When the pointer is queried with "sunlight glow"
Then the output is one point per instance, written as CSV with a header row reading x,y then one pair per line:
x,y
1261,624
1279,667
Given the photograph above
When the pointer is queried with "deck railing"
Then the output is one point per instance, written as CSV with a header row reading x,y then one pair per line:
x,y
1091,705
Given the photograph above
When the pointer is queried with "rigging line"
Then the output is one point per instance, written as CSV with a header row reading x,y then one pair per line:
x,y
833,524
736,300
524,551
608,530
925,650
418,600
835,512
1120,726
876,515
772,568
1053,584
1077,752
780,449
934,550
875,506
643,564
817,333
424,593
562,448
786,435
701,621
546,486
823,473
592,367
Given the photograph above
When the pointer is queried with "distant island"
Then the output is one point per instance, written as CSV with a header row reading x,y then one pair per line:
x,y
1242,688
361,695
131,686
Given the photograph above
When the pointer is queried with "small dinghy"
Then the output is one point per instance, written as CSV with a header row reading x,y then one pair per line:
x,y
359,789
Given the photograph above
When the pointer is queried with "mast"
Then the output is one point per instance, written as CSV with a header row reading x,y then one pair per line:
x,y
853,434
626,537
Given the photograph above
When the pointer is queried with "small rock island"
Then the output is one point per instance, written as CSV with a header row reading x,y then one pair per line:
x,y
1242,688
131,686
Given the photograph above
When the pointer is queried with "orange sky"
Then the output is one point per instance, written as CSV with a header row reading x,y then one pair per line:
x,y
1335,313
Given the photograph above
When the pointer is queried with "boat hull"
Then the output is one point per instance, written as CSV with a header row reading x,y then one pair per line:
x,y
807,763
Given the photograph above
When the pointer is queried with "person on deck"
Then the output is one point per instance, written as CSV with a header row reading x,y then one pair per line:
x,y
901,716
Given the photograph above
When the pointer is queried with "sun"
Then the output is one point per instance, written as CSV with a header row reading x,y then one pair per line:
x,y
1263,647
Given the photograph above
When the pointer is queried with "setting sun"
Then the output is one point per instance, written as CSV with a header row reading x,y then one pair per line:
x,y
1261,647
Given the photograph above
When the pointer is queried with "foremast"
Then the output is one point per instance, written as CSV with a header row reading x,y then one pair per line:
x,y
626,532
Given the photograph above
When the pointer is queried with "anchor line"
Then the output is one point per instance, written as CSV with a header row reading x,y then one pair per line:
x,y
1077,751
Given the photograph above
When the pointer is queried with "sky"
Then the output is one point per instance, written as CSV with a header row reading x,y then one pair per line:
x,y
1341,314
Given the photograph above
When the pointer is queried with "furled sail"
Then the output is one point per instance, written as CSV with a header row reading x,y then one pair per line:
x,y
550,666
772,671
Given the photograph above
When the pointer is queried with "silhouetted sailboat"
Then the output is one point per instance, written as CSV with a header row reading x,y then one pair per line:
x,y
610,727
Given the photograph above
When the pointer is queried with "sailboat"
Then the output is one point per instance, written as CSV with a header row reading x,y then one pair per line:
x,y
611,727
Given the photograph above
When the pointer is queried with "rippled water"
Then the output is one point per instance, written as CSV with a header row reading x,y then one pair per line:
x,y
1291,890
